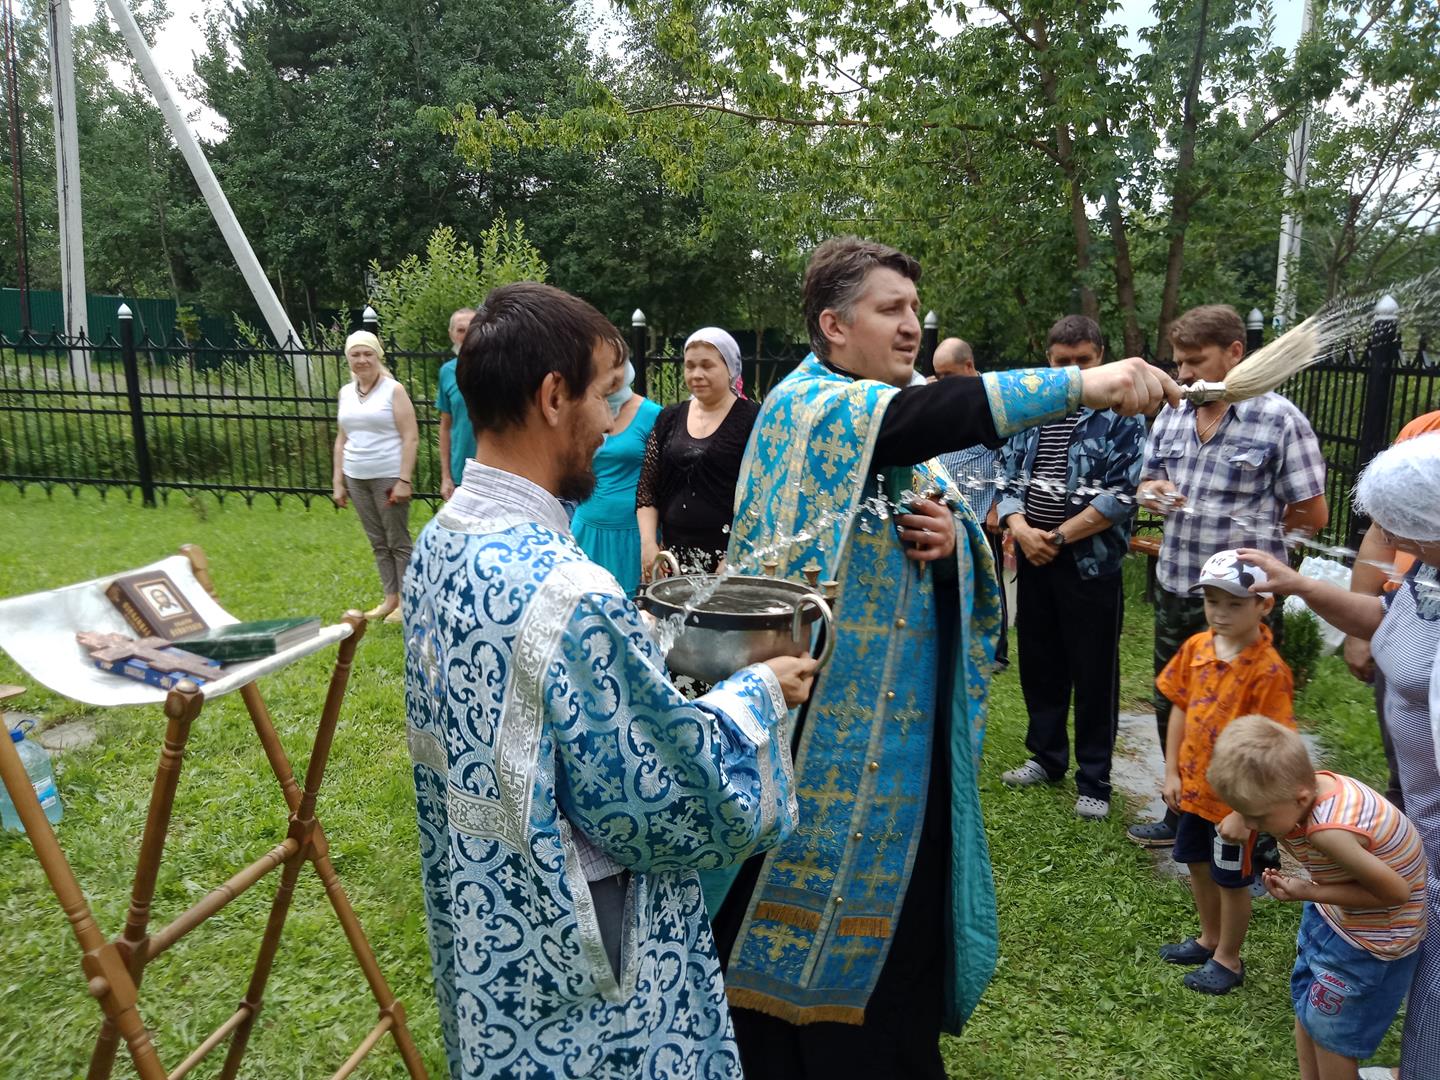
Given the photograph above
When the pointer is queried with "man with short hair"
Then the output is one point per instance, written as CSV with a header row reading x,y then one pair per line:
x,y
953,356
855,942
975,471
457,437
1069,503
566,791
1224,476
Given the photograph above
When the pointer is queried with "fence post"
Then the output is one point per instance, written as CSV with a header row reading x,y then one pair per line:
x,y
137,407
1383,355
639,342
929,338
1254,330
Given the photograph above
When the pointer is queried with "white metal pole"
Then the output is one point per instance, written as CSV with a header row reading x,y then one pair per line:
x,y
67,182
240,248
1291,226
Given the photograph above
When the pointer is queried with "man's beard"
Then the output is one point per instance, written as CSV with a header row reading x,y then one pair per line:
x,y
577,482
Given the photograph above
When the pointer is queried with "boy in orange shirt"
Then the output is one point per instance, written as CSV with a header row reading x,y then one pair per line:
x,y
1227,671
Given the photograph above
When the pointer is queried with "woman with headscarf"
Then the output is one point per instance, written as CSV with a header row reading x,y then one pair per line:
x,y
1400,492
604,524
374,461
686,496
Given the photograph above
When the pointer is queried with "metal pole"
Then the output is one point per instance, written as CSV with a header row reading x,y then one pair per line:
x,y
1296,162
929,338
1254,330
639,344
137,406
17,165
260,287
1383,355
67,183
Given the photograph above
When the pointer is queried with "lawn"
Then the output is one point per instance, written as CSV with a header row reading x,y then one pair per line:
x,y
1079,992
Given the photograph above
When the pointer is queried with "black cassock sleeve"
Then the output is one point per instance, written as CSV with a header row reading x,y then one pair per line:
x,y
923,421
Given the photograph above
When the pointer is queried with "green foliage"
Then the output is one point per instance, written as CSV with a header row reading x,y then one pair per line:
x,y
1301,645
416,298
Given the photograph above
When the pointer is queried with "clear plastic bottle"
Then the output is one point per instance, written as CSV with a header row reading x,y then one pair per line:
x,y
36,760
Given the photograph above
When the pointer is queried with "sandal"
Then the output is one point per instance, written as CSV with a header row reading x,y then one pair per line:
x,y
1214,978
1189,952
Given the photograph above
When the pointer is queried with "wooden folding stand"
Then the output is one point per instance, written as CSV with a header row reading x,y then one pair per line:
x,y
114,968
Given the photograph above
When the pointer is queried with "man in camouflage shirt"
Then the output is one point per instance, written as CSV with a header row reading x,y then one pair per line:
x,y
1068,502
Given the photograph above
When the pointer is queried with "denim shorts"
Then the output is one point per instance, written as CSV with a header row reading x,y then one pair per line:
x,y
1345,997
1198,841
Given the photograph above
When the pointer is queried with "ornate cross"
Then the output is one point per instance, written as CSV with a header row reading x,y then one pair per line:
x,y
160,654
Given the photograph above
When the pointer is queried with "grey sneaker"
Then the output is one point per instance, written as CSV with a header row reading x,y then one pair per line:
x,y
1026,775
1087,806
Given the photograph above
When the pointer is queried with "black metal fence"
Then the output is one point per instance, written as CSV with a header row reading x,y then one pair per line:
x,y
156,417
1357,399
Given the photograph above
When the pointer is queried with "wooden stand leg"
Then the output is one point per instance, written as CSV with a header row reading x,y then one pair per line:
x,y
302,808
109,979
181,708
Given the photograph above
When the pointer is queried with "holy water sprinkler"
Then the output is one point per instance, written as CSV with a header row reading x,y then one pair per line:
x,y
1264,369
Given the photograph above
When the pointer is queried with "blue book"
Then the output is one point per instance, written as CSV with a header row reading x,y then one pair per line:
x,y
140,671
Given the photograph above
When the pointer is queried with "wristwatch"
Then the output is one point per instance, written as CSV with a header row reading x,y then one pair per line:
x,y
1058,538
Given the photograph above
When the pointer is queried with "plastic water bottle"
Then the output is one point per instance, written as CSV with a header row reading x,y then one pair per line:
x,y
36,760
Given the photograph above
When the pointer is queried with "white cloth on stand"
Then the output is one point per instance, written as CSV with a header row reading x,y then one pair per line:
x,y
38,630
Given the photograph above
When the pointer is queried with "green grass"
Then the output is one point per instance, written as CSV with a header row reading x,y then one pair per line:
x,y
1079,992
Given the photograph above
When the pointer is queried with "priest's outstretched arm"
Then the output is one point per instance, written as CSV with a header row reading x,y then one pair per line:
x,y
655,781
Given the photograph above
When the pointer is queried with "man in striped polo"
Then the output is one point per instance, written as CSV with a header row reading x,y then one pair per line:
x,y
1069,502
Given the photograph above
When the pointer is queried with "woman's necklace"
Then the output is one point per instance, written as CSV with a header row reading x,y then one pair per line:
x,y
361,395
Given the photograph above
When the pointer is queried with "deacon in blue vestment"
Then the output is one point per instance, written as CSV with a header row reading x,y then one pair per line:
x,y
852,944
567,792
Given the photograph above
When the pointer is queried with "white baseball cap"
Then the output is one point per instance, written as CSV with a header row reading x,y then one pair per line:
x,y
1226,570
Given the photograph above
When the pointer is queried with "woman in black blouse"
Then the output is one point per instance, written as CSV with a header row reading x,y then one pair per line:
x,y
686,496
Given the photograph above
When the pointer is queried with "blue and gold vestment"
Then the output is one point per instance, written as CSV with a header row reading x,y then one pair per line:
x,y
823,914
551,750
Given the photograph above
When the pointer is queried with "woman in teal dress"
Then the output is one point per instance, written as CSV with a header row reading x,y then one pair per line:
x,y
604,524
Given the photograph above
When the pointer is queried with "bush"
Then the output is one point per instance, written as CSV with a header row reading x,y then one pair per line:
x,y
1301,645
416,298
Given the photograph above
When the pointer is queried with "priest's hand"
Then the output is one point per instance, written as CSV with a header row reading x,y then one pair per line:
x,y
928,531
796,675
1129,386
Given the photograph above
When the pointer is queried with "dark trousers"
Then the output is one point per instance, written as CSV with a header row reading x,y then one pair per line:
x,y
997,549
1070,641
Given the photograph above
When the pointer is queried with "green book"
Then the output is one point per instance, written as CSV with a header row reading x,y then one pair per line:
x,y
251,640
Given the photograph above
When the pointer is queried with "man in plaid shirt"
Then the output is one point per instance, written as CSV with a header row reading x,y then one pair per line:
x,y
1225,476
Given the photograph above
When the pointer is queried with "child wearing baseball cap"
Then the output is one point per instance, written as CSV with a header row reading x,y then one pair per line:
x,y
1228,671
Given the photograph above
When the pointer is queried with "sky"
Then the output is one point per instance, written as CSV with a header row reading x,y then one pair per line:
x,y
182,39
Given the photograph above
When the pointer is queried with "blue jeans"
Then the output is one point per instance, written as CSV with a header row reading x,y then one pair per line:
x,y
1345,997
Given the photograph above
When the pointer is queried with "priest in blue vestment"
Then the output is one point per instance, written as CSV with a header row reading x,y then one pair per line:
x,y
567,793
853,943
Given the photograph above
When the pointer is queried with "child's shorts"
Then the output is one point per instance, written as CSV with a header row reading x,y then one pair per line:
x,y
1345,997
1197,841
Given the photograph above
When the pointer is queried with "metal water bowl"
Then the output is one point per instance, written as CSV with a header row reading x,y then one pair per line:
x,y
740,621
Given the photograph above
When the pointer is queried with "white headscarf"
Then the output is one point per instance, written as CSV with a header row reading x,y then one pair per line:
x,y
726,346
1400,489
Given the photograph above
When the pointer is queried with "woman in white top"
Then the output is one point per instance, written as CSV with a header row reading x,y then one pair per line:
x,y
374,460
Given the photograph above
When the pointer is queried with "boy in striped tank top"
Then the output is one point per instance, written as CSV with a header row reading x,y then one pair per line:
x,y
1364,914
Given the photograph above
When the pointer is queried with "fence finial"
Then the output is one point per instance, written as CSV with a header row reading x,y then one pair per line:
x,y
932,321
1255,320
369,315
1386,309
637,318
125,312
